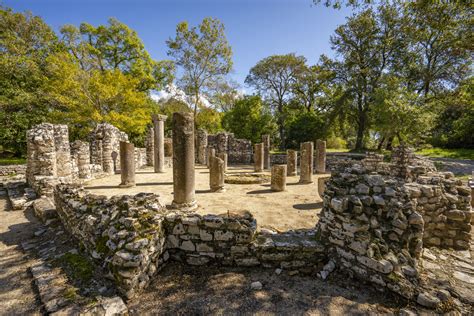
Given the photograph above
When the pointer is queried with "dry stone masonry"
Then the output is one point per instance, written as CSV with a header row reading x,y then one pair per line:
x,y
239,151
105,144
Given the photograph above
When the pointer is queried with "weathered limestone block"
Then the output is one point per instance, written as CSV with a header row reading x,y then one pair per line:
x,y
278,181
292,162
216,175
183,160
127,165
223,156
320,156
258,157
306,164
159,142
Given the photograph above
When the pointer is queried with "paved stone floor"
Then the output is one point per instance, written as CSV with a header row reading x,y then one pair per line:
x,y
295,208
17,296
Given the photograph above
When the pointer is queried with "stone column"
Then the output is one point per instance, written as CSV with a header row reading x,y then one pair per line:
x,y
159,143
306,165
320,156
223,156
183,160
292,162
201,146
149,141
258,157
63,151
127,165
322,185
266,151
278,182
82,153
216,175
211,152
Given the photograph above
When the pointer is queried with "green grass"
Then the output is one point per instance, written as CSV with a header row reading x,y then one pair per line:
x,y
458,153
337,150
12,161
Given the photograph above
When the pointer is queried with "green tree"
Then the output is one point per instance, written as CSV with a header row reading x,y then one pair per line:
x,y
116,47
305,127
274,77
25,43
249,119
204,55
210,120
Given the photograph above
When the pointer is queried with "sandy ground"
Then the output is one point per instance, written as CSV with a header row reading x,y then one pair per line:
x,y
17,296
295,208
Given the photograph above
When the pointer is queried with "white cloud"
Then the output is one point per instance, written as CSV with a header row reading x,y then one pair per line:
x,y
172,91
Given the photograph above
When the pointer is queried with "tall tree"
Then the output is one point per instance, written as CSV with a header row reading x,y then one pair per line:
x,y
273,77
25,43
203,54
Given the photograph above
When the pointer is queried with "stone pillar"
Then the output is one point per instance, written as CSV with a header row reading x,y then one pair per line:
x,y
201,146
159,143
183,160
322,185
292,162
320,156
63,151
258,157
82,153
149,144
127,165
223,156
266,151
278,182
216,175
306,164
211,152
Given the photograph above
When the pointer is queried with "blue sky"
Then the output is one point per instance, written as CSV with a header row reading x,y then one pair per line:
x,y
254,28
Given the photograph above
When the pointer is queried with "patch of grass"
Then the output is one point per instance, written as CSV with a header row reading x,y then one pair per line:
x,y
77,266
455,153
337,150
12,161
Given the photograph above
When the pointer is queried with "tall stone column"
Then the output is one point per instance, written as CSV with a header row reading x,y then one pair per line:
x,y
211,152
149,144
306,165
201,146
292,162
159,143
216,175
320,156
278,182
266,151
127,165
183,160
258,157
223,156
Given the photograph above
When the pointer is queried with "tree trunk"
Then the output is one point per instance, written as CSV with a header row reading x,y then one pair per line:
x,y
380,145
360,127
390,143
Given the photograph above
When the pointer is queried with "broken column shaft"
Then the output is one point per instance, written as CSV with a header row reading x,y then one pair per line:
x,y
266,151
216,175
292,162
223,156
320,156
127,164
258,157
306,164
159,142
278,182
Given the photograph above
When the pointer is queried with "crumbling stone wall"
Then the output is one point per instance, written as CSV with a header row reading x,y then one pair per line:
x,y
48,157
12,170
105,145
80,158
375,223
239,151
140,158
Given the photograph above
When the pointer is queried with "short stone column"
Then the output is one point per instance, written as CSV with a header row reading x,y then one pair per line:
x,y
223,156
278,182
127,165
183,160
320,156
216,175
211,152
306,164
258,157
292,162
159,142
266,151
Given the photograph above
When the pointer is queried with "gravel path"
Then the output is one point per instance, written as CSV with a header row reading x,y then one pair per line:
x,y
457,166
17,296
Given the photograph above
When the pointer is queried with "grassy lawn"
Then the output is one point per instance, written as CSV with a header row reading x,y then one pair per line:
x,y
459,153
12,161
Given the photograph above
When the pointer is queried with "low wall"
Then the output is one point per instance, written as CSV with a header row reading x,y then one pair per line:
x,y
133,236
9,170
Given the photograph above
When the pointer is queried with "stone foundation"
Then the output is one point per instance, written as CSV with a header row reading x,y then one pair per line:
x,y
11,170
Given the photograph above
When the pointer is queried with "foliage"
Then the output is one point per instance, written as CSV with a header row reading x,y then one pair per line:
x,y
204,55
454,153
274,77
210,120
170,106
305,127
249,119
12,161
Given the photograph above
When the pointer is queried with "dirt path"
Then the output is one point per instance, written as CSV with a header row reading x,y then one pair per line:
x,y
456,166
17,296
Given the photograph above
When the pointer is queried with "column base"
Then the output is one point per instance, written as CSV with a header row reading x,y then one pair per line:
x,y
183,206
126,185
305,182
219,190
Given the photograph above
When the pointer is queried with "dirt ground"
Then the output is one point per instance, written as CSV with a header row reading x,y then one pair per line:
x,y
295,208
17,296
185,290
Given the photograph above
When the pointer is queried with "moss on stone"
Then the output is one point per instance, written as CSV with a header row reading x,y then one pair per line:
x,y
101,245
70,293
78,266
